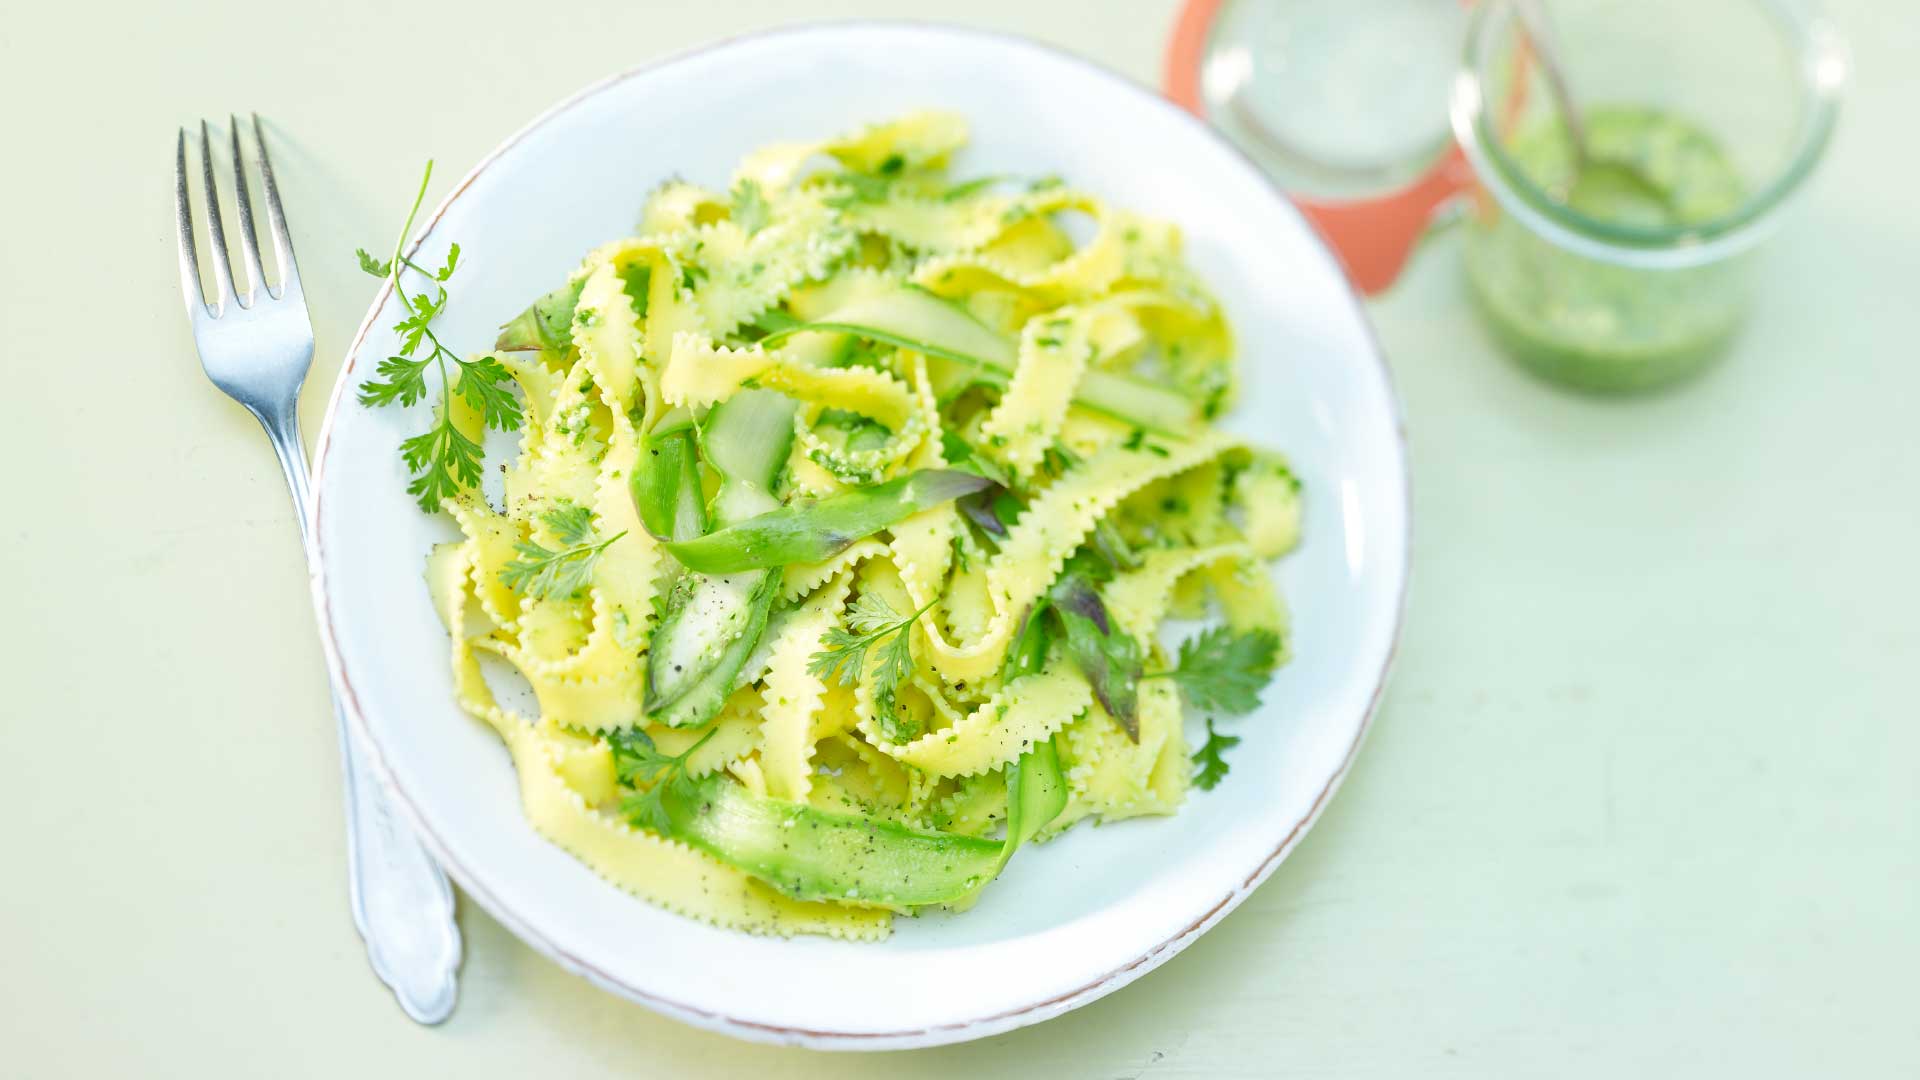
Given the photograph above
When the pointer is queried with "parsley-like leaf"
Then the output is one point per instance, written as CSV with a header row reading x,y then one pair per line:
x,y
571,523
773,321
484,383
861,188
1057,459
371,265
843,655
443,459
1221,671
1211,768
551,575
843,652
961,455
640,765
871,614
399,378
750,210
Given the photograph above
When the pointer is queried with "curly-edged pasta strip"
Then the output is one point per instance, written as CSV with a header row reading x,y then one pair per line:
x,y
794,694
661,871
980,404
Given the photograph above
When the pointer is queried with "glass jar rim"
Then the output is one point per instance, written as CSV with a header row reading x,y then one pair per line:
x,y
1822,64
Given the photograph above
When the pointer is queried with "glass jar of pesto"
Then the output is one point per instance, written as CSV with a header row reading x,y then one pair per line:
x,y
1620,262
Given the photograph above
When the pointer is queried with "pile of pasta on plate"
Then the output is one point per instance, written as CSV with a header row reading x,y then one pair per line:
x,y
849,503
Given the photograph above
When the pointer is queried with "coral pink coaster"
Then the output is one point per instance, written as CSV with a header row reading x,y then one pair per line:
x,y
1373,234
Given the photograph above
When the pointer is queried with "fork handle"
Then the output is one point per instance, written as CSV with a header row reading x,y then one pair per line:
x,y
402,904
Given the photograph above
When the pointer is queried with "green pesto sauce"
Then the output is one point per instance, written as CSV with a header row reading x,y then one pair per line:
x,y
1590,322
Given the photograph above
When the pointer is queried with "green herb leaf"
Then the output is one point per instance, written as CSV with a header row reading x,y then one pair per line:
x,y
640,765
871,614
1057,459
750,210
861,188
485,383
1211,767
443,459
372,265
399,378
570,522
843,649
552,575
843,655
1221,671
961,455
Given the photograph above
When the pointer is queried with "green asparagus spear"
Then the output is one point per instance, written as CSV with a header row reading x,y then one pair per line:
x,y
714,620
665,484
913,318
547,324
810,532
812,854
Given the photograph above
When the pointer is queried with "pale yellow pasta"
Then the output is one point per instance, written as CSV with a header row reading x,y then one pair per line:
x,y
795,279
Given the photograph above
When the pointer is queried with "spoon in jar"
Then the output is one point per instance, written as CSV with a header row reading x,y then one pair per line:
x,y
1612,187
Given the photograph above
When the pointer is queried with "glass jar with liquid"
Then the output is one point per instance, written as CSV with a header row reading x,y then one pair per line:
x,y
1618,259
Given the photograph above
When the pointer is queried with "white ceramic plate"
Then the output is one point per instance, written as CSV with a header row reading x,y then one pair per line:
x,y
1070,921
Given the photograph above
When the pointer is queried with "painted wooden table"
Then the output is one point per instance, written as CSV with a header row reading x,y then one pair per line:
x,y
1642,800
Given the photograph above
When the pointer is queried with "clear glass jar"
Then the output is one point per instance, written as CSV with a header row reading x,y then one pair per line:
x,y
1705,116
1343,104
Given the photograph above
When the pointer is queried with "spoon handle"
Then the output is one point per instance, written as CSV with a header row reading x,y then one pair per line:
x,y
1539,33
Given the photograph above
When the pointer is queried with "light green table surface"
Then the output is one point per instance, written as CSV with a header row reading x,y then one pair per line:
x,y
1642,799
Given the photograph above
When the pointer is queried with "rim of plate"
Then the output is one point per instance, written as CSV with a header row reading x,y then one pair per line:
x,y
758,1031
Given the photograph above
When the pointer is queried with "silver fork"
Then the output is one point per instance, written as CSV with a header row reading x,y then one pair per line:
x,y
257,348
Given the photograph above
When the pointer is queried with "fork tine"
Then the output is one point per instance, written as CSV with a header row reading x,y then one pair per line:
x,y
183,217
288,270
249,243
216,235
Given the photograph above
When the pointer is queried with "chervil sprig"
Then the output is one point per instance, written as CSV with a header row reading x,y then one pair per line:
x,y
1220,671
843,654
443,459
749,208
1223,672
640,765
552,575
1211,767
571,523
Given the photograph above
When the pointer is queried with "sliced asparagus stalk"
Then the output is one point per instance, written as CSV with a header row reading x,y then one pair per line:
x,y
665,484
1107,655
699,651
913,318
547,324
714,621
810,532
812,854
